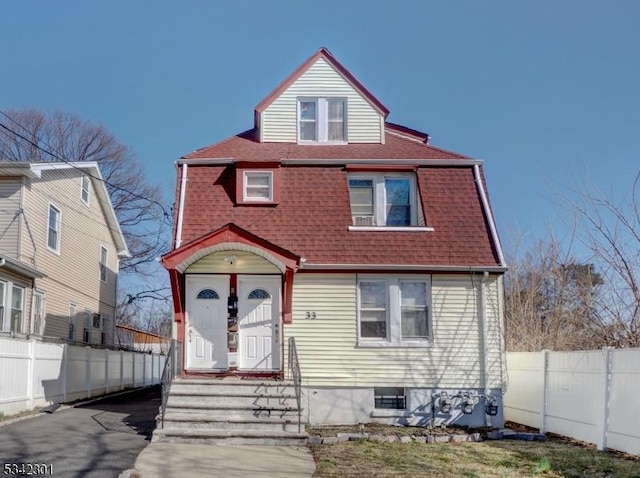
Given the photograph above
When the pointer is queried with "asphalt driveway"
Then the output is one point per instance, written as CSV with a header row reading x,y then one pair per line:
x,y
97,440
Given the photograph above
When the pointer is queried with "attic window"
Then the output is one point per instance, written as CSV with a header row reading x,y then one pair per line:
x,y
388,200
322,120
258,186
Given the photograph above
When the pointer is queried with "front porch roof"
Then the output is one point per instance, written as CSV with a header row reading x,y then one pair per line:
x,y
230,238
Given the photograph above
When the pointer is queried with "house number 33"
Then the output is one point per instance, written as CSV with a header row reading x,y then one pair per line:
x,y
310,315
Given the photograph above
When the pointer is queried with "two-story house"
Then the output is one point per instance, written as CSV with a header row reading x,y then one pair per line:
x,y
60,244
374,250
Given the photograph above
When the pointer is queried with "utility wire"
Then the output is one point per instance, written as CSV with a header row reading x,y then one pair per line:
x,y
58,157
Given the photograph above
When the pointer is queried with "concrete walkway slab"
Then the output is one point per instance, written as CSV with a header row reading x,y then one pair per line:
x,y
169,460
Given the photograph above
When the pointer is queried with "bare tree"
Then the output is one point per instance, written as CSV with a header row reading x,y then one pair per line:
x,y
549,300
63,136
609,229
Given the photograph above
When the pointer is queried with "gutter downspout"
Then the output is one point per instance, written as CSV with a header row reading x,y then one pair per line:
x,y
487,210
485,345
183,186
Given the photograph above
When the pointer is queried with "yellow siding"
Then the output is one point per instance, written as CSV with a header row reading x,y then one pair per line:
x,y
73,275
10,216
246,263
279,120
328,350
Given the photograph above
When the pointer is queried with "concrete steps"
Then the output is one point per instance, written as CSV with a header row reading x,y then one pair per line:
x,y
231,411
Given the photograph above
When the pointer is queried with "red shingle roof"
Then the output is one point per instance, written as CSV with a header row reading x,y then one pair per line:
x,y
314,213
246,147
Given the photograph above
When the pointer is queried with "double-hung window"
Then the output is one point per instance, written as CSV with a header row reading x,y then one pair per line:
x,y
383,200
103,264
258,186
38,313
394,311
53,231
322,120
17,308
84,189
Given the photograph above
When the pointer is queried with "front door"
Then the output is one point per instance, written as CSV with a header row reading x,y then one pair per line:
x,y
206,322
259,322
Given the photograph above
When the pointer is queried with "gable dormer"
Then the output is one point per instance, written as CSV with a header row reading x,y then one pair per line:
x,y
321,103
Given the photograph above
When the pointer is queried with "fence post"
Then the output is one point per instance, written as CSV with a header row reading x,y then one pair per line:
x,y
121,370
31,352
106,370
606,382
545,386
87,371
133,369
144,370
64,371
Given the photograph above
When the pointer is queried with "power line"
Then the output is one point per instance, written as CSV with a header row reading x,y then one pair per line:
x,y
58,157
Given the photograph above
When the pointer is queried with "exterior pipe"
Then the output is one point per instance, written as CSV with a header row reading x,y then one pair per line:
x,y
485,206
183,186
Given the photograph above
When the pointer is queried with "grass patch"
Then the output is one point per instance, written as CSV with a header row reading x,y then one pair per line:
x,y
26,413
506,458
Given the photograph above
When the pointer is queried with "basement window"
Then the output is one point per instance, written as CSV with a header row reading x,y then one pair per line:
x,y
390,398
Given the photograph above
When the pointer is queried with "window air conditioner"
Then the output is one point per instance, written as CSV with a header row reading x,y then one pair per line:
x,y
364,221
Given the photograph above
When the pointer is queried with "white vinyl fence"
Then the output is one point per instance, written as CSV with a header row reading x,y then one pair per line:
x,y
593,396
35,373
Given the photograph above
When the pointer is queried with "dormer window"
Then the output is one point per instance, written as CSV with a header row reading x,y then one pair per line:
x,y
322,120
258,186
384,200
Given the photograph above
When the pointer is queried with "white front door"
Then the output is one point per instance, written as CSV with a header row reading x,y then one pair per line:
x,y
206,322
259,322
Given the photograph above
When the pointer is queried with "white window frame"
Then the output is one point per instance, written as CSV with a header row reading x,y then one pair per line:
x,y
380,202
53,207
98,316
322,119
394,312
104,259
13,287
85,188
34,311
245,180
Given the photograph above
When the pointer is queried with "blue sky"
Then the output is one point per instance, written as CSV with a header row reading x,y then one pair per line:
x,y
540,90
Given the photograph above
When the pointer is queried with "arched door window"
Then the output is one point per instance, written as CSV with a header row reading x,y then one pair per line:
x,y
259,294
207,294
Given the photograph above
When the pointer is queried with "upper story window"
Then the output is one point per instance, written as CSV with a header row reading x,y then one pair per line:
x,y
258,186
103,263
17,307
84,189
383,200
53,231
322,120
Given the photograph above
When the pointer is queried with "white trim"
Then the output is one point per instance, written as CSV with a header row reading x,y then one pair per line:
x,y
464,163
58,231
487,210
84,177
183,185
256,172
392,228
407,267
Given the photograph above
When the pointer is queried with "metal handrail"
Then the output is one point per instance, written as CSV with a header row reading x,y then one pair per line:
x,y
171,368
294,374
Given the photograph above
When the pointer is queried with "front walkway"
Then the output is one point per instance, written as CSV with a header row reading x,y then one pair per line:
x,y
169,460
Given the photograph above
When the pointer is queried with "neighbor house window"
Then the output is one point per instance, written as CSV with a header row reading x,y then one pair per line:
x,y
38,313
322,120
258,186
97,321
53,234
391,398
84,189
103,264
383,200
394,311
73,312
17,307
